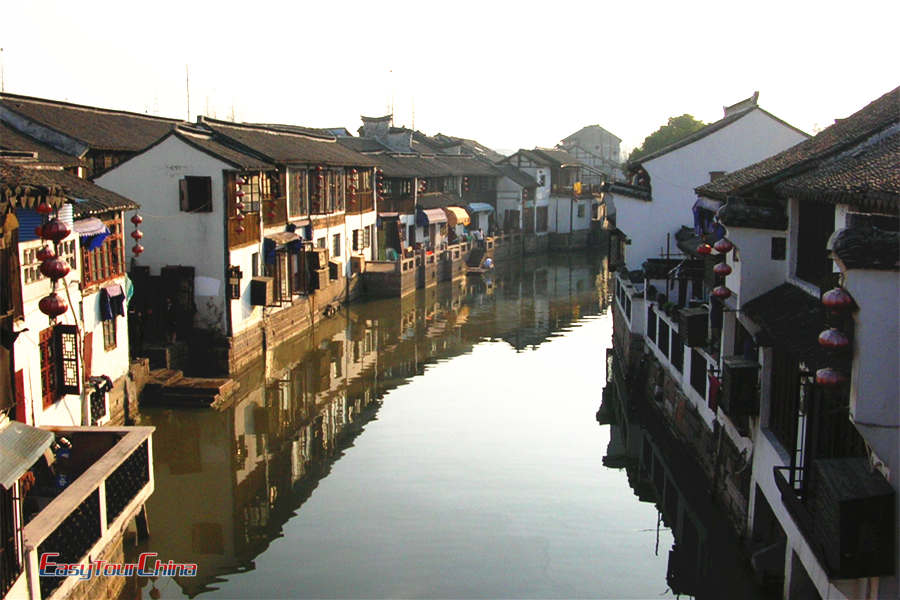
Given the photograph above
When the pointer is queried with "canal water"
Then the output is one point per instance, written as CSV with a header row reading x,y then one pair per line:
x,y
440,446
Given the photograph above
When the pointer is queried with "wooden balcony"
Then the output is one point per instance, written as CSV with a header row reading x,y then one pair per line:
x,y
250,234
112,471
362,201
274,210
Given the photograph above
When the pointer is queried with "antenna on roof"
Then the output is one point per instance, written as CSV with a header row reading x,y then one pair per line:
x,y
187,85
413,100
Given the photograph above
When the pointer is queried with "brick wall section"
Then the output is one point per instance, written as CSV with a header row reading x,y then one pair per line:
x,y
123,398
712,451
283,324
102,587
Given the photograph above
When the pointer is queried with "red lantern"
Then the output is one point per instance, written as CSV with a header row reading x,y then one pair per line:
x,y
137,249
829,377
721,292
39,231
56,230
353,171
837,299
239,229
137,219
271,214
55,268
833,339
137,234
723,246
722,269
53,305
704,249
240,217
239,206
45,253
239,193
44,208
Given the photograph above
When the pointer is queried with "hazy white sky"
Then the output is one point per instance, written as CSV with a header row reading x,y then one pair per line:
x,y
510,74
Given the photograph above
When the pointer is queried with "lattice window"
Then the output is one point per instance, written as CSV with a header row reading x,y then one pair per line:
x,y
109,334
107,261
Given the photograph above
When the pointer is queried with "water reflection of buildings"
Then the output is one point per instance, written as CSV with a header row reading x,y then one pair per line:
x,y
705,560
228,480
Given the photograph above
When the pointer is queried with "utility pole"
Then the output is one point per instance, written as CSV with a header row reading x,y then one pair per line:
x,y
2,78
187,85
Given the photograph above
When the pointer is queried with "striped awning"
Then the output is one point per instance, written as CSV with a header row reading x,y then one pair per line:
x,y
427,216
456,216
89,226
478,207
20,447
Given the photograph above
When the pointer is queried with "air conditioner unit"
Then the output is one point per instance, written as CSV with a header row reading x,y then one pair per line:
x,y
262,291
317,258
740,396
357,264
335,269
318,279
692,326
853,520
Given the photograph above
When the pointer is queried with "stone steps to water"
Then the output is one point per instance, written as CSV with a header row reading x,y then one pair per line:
x,y
169,387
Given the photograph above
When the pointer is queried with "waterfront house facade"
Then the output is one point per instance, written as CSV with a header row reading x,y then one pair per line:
x,y
254,222
73,372
753,342
651,204
814,282
66,486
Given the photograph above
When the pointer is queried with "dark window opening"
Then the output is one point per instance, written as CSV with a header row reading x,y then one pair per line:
x,y
779,248
815,226
196,194
698,373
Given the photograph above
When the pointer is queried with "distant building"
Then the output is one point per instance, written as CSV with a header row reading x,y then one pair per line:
x,y
597,148
651,204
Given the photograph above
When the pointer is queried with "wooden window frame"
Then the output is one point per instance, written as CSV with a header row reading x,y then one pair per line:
x,y
108,261
110,332
58,346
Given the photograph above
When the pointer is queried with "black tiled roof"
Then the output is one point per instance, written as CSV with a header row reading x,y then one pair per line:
x,y
869,177
12,139
866,248
737,213
100,128
467,165
363,144
23,183
626,189
208,144
517,175
410,165
23,186
283,147
87,198
790,319
438,200
845,133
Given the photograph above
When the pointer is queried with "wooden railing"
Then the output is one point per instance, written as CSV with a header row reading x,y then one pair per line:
x,y
250,234
93,510
361,201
